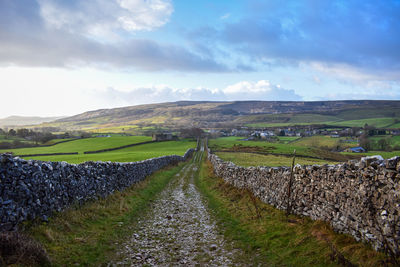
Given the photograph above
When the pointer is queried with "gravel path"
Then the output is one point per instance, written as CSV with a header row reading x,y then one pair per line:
x,y
178,230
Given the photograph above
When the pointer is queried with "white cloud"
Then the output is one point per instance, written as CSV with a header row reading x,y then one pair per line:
x,y
245,90
225,16
102,18
261,90
353,75
144,15
56,92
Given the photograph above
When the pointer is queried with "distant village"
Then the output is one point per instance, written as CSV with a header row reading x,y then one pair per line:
x,y
352,134
253,134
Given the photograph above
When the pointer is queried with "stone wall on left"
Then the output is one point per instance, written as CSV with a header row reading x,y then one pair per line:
x,y
32,189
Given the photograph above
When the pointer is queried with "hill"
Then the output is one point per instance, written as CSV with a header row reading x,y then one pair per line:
x,y
21,120
225,114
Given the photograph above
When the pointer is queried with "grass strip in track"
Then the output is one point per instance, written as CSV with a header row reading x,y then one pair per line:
x,y
276,239
88,235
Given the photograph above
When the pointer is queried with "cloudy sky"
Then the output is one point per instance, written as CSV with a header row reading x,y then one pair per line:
x,y
62,57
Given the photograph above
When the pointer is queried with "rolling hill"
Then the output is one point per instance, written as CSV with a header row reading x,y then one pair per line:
x,y
225,114
22,120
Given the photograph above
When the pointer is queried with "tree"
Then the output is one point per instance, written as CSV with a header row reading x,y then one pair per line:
x,y
191,132
384,144
365,142
23,132
12,132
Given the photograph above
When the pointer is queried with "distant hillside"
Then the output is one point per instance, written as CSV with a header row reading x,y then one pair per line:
x,y
223,114
21,120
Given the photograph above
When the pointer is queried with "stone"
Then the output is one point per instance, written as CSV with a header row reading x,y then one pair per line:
x,y
352,197
35,189
392,162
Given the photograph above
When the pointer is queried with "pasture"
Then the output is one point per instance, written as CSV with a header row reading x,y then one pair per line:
x,y
81,145
252,159
377,122
130,154
327,142
237,144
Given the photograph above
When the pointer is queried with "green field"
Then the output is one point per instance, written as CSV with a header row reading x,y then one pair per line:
x,y
55,141
287,139
129,154
377,122
323,141
351,117
81,145
251,159
4,138
236,144
225,143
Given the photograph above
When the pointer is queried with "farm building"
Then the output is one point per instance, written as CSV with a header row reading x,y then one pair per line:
x,y
164,137
357,149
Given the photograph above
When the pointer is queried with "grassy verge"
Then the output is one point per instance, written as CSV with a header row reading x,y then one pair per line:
x,y
89,235
278,240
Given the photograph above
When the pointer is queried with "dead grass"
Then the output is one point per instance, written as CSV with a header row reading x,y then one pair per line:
x,y
293,240
17,248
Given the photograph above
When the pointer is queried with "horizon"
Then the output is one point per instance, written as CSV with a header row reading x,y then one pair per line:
x,y
65,58
194,101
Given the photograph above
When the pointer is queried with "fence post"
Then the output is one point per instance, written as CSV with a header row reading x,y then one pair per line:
x,y
289,193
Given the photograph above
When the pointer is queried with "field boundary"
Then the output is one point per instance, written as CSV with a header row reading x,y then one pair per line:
x,y
119,147
65,141
273,154
47,154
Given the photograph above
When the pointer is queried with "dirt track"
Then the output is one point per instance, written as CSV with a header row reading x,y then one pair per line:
x,y
179,230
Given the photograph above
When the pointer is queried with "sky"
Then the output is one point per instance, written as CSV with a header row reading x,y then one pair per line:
x,y
61,58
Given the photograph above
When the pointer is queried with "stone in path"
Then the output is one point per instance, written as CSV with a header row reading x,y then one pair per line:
x,y
179,231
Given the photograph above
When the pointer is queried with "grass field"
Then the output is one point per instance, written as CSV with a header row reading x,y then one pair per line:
x,y
396,125
231,142
377,122
251,159
54,141
4,138
235,144
321,141
129,154
82,145
287,139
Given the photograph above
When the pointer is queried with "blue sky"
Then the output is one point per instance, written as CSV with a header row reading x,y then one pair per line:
x,y
66,57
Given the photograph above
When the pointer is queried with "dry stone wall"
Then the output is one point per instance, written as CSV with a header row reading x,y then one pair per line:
x,y
361,198
32,189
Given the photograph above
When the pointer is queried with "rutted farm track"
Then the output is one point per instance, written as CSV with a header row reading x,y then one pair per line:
x,y
179,230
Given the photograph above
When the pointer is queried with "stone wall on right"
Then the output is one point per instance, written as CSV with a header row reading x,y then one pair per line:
x,y
360,198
